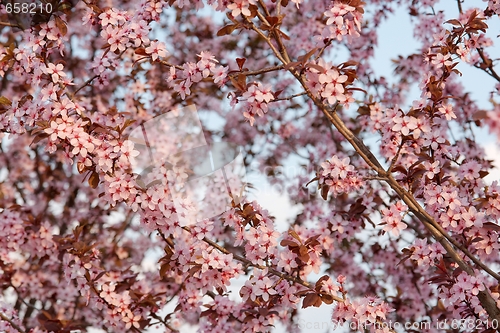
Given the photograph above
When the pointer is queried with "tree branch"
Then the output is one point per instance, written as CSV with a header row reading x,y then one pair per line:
x,y
270,269
289,98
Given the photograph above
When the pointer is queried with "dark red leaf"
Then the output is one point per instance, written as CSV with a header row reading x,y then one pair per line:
x,y
240,62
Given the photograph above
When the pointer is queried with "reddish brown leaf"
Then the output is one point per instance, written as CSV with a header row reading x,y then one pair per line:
x,y
39,138
292,233
163,269
94,180
312,241
61,25
327,298
277,93
311,299
319,283
481,114
324,191
291,64
304,254
312,180
141,51
227,30
5,101
287,242
483,173
316,67
491,226
454,22
308,55
240,62
284,35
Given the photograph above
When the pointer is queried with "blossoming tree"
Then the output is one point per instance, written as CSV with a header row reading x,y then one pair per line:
x,y
404,230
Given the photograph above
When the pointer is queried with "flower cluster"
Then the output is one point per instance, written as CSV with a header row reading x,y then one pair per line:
x,y
11,226
462,293
393,218
257,98
156,49
364,313
259,285
494,5
240,7
182,81
329,82
119,306
343,19
425,254
339,176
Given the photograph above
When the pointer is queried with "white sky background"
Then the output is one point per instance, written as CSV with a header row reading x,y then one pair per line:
x,y
397,40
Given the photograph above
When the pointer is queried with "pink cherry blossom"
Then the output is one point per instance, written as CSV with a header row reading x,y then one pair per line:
x,y
404,124
156,49
441,60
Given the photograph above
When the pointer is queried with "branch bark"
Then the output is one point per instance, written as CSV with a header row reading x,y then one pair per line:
x,y
14,325
269,269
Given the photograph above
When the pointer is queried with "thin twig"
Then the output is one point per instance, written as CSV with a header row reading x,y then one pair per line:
x,y
14,325
86,83
394,160
492,71
263,5
289,97
260,71
8,24
323,49
268,41
166,63
459,3
233,73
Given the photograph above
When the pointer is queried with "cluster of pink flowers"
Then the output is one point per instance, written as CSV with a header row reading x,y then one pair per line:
x,y
329,83
440,60
462,294
392,124
426,255
156,49
342,20
119,307
49,33
121,30
257,98
115,25
259,285
339,176
13,231
240,7
181,81
393,218
369,313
